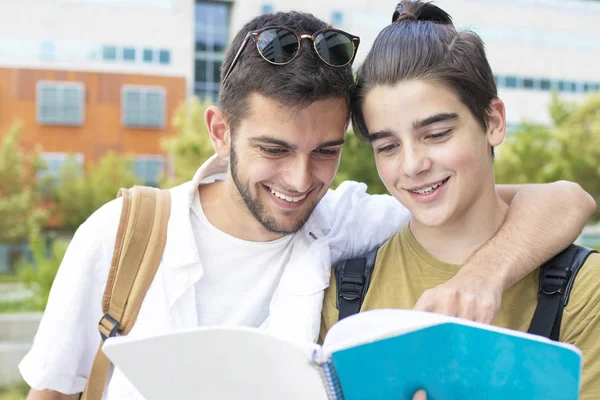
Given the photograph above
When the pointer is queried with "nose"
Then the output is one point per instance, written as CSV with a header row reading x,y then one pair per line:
x,y
299,174
416,160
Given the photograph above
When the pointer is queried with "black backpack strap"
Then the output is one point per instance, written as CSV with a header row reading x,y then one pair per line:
x,y
352,282
557,277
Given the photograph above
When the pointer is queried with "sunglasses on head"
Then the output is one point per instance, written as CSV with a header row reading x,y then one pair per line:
x,y
280,45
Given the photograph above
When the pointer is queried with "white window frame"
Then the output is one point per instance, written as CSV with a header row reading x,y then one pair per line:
x,y
144,90
61,86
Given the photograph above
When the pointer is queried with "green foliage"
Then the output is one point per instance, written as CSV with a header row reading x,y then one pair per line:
x,y
78,195
39,274
191,146
20,209
16,306
14,392
358,164
569,149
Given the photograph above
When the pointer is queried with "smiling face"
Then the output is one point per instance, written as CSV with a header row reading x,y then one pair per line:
x,y
431,153
284,160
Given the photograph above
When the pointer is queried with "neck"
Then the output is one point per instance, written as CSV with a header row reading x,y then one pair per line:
x,y
225,210
457,239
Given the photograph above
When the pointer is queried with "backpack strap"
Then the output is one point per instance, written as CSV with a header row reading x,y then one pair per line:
x,y
557,277
139,246
353,277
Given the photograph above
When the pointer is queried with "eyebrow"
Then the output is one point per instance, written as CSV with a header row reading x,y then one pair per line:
x,y
278,142
418,124
421,123
380,135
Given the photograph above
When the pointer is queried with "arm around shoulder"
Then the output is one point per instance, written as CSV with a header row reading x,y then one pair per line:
x,y
542,220
360,221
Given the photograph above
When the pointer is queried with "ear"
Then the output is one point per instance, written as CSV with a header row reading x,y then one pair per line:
x,y
346,126
218,130
496,123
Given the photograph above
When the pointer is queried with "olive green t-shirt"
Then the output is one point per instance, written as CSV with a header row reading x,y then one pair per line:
x,y
404,270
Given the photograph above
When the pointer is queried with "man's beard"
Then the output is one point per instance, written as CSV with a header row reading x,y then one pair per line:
x,y
257,208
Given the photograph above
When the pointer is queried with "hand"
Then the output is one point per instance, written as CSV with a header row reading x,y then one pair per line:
x,y
471,297
420,395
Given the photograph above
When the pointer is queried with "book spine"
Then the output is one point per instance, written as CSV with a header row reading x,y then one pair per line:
x,y
330,379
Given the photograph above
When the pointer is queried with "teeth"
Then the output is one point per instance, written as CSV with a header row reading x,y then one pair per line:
x,y
287,198
428,189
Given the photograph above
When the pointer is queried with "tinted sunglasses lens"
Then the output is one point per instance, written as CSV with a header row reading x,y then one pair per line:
x,y
334,48
278,46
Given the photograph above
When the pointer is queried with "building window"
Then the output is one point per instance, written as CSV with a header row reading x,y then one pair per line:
x,y
545,84
128,54
266,8
511,81
562,86
47,51
148,169
211,37
148,55
143,107
60,103
572,87
528,83
54,163
512,128
337,18
164,56
109,53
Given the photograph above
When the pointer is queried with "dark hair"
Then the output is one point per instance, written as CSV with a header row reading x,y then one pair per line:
x,y
422,43
298,84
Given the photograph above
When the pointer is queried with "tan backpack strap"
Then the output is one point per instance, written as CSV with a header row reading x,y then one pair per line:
x,y
139,246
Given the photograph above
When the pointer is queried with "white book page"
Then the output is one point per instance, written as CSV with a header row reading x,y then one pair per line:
x,y
217,363
370,326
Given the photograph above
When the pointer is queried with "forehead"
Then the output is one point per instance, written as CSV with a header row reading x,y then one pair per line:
x,y
322,120
386,107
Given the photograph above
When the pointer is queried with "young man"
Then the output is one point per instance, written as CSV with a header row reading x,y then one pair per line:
x,y
252,237
426,100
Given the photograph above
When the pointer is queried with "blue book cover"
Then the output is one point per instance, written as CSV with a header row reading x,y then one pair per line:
x,y
455,361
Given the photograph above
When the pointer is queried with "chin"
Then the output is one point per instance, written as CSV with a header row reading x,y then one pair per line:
x,y
431,219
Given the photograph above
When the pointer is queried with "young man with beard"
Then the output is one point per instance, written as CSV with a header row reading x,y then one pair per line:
x,y
427,101
252,237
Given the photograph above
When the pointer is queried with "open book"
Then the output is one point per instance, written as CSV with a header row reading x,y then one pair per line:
x,y
381,354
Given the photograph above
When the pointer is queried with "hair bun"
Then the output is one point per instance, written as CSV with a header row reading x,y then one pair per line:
x,y
409,10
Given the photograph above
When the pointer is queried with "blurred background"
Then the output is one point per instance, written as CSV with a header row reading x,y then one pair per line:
x,y
96,95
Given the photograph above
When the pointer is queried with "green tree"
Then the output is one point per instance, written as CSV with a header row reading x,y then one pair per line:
x,y
20,207
567,149
358,164
79,194
191,146
38,274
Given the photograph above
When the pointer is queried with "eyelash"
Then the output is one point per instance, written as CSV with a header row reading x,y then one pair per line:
x,y
439,135
327,152
272,151
386,149
276,151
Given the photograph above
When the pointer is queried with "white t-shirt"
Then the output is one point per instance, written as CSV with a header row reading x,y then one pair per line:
x,y
239,277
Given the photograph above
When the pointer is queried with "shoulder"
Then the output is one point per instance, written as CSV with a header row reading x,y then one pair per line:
x,y
390,249
584,298
587,282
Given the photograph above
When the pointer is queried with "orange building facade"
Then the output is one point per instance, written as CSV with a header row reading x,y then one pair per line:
x,y
87,114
